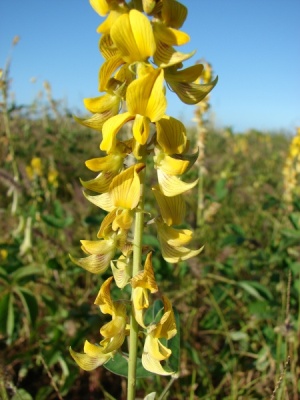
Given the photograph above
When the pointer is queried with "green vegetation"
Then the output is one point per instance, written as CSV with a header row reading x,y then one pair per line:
x,y
238,301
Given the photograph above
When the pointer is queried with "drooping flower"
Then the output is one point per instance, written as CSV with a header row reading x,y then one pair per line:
x,y
155,351
114,332
143,283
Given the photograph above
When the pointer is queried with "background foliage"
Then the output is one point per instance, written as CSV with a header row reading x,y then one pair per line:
x,y
238,301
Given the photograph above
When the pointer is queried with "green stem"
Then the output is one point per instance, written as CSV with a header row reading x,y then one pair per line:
x,y
137,261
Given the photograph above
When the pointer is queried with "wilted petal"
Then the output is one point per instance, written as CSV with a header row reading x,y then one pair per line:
x,y
132,34
171,185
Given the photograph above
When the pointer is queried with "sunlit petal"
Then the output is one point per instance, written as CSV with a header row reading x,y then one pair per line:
x,y
172,209
153,365
103,299
103,201
171,135
170,185
95,263
173,13
170,36
101,183
132,34
110,130
165,55
107,69
88,362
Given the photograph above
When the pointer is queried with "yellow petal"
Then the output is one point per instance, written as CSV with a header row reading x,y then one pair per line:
x,y
165,55
102,103
111,162
146,278
98,246
156,349
145,96
170,165
170,36
107,48
132,34
121,269
87,362
153,365
107,24
125,187
96,121
141,129
123,219
190,74
172,209
105,229
107,69
192,93
174,237
171,135
110,130
103,201
171,185
103,299
95,263
167,325
173,13
176,254
100,6
101,183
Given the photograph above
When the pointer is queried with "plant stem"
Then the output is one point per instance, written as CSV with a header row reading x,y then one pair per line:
x,y
137,260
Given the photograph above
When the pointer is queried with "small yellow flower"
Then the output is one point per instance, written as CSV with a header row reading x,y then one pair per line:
x,y
172,242
154,351
143,283
114,332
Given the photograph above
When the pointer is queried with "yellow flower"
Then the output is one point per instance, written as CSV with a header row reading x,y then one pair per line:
x,y
114,332
154,351
172,242
142,283
122,197
146,103
172,209
100,253
183,83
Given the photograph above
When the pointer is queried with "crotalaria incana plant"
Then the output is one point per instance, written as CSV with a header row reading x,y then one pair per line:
x,y
136,42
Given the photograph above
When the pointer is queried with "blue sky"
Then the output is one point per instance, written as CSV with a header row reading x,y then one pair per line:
x,y
253,45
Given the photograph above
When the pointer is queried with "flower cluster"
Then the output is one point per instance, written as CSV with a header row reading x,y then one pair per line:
x,y
137,46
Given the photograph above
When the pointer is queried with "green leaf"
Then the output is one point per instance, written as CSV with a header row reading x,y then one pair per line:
x,y
295,267
29,302
119,366
221,189
295,220
291,233
248,287
10,316
57,222
21,394
52,263
4,301
24,272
